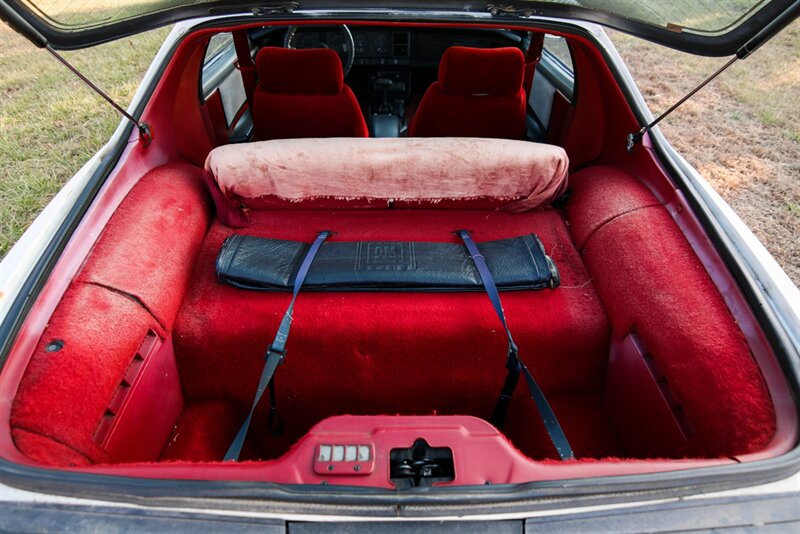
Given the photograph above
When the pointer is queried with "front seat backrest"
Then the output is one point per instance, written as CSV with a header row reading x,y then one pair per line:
x,y
479,94
301,93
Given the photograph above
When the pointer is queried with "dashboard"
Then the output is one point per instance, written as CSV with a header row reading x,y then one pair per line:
x,y
384,46
381,44
387,47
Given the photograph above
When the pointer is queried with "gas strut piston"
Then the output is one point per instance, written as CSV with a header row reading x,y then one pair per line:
x,y
144,129
751,46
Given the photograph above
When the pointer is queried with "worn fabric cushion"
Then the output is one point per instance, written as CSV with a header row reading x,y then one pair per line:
x,y
358,173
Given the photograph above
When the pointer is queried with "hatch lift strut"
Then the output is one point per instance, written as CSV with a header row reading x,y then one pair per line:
x,y
144,129
636,137
29,32
751,46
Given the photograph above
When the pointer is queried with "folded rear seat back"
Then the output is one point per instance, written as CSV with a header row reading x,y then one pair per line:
x,y
457,173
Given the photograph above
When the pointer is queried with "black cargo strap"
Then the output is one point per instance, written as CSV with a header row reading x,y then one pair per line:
x,y
514,364
274,421
276,351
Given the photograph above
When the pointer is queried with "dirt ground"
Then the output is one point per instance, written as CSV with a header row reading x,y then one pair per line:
x,y
741,132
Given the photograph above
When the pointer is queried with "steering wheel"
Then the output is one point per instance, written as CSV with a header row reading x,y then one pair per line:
x,y
346,48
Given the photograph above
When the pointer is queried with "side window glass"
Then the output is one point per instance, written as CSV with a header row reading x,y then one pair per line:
x,y
217,44
553,90
558,49
557,64
220,74
220,47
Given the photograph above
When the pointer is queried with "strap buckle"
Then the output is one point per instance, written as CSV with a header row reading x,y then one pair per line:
x,y
512,362
281,353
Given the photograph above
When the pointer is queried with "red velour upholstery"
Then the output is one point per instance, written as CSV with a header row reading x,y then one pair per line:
x,y
301,93
479,94
604,194
148,248
46,450
300,72
406,353
65,393
204,432
481,71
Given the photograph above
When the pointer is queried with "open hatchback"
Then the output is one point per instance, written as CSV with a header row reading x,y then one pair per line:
x,y
496,296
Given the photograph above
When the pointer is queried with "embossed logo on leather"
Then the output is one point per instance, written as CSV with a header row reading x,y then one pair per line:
x,y
385,256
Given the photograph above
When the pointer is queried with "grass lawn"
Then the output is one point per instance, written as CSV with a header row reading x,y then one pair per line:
x,y
742,132
50,123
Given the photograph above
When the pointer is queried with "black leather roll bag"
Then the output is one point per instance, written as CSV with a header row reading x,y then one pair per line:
x,y
518,263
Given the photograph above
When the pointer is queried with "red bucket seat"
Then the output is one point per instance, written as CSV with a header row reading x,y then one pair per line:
x,y
301,93
479,94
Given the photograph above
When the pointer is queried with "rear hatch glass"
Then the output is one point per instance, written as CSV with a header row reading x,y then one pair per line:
x,y
708,27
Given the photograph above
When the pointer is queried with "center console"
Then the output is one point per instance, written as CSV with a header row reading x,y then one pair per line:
x,y
389,91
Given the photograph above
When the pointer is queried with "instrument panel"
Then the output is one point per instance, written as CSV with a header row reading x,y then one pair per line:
x,y
390,46
369,44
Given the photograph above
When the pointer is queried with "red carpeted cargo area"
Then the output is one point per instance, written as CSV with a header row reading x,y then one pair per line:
x,y
636,350
397,353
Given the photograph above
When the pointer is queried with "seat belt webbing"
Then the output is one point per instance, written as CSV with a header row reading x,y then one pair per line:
x,y
532,58
277,349
245,64
513,363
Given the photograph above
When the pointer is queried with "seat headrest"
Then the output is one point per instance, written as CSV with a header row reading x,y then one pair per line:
x,y
315,71
481,71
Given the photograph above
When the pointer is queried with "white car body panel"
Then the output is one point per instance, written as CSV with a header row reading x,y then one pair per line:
x,y
783,296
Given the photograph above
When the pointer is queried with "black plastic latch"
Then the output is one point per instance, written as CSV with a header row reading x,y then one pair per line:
x,y
421,465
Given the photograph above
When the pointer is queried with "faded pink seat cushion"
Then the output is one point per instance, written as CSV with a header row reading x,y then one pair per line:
x,y
343,173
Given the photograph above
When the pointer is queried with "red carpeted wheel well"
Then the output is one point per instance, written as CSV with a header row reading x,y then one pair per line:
x,y
652,285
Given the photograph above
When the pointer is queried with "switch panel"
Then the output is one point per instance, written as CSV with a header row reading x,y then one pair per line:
x,y
344,459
